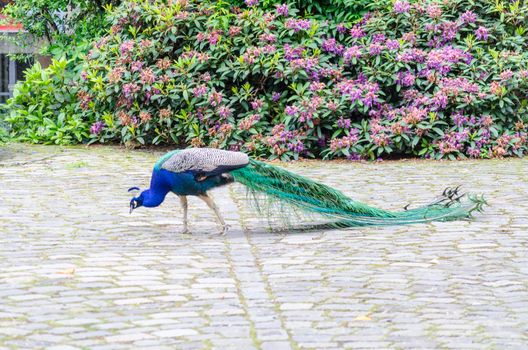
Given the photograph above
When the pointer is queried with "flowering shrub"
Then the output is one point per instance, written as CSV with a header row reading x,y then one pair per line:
x,y
435,79
340,10
44,107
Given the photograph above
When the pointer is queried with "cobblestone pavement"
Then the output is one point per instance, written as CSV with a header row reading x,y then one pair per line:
x,y
78,272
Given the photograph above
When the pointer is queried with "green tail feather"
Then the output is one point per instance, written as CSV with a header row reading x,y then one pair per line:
x,y
268,182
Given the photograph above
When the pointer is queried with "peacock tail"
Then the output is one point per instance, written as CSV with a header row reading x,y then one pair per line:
x,y
275,189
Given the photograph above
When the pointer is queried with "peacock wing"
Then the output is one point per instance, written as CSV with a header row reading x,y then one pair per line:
x,y
206,161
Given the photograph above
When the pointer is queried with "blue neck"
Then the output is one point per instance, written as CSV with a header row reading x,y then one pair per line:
x,y
154,197
159,187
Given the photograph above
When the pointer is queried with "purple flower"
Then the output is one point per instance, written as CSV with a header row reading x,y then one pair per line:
x,y
378,38
126,47
468,17
341,28
330,45
215,98
96,128
298,24
352,52
449,30
136,66
199,90
296,147
292,53
130,89
213,37
442,59
440,101
257,104
304,63
316,86
375,49
355,157
369,99
473,152
275,96
282,10
251,2
459,119
357,32
223,112
343,123
411,55
506,75
84,75
393,44
406,79
291,110
481,33
401,7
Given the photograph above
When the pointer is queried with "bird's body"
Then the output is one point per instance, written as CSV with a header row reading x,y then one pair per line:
x,y
195,171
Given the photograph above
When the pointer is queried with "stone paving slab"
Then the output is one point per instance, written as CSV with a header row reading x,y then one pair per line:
x,y
78,272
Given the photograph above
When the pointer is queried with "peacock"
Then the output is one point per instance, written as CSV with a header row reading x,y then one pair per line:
x,y
195,171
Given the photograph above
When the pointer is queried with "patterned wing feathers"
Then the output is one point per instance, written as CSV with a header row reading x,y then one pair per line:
x,y
205,160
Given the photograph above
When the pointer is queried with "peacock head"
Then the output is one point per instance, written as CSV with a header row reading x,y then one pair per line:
x,y
136,202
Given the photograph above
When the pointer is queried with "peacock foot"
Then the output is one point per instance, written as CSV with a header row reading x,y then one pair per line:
x,y
224,229
186,231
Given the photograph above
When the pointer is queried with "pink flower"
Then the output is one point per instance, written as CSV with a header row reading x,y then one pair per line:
x,y
234,31
434,11
401,7
352,52
406,79
496,88
199,90
282,10
506,75
127,47
267,38
257,104
291,110
145,116
213,37
481,33
246,123
223,112
375,49
410,37
215,98
392,45
96,128
357,32
147,76
136,66
468,17
298,24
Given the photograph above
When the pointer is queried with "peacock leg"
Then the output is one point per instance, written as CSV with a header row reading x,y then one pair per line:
x,y
211,204
183,201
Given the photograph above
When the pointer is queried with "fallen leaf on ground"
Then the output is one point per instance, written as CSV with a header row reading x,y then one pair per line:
x,y
363,318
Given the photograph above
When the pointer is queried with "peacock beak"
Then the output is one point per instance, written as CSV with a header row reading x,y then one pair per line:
x,y
133,202
133,205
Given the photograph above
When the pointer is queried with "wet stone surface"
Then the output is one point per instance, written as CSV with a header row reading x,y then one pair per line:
x,y
78,272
